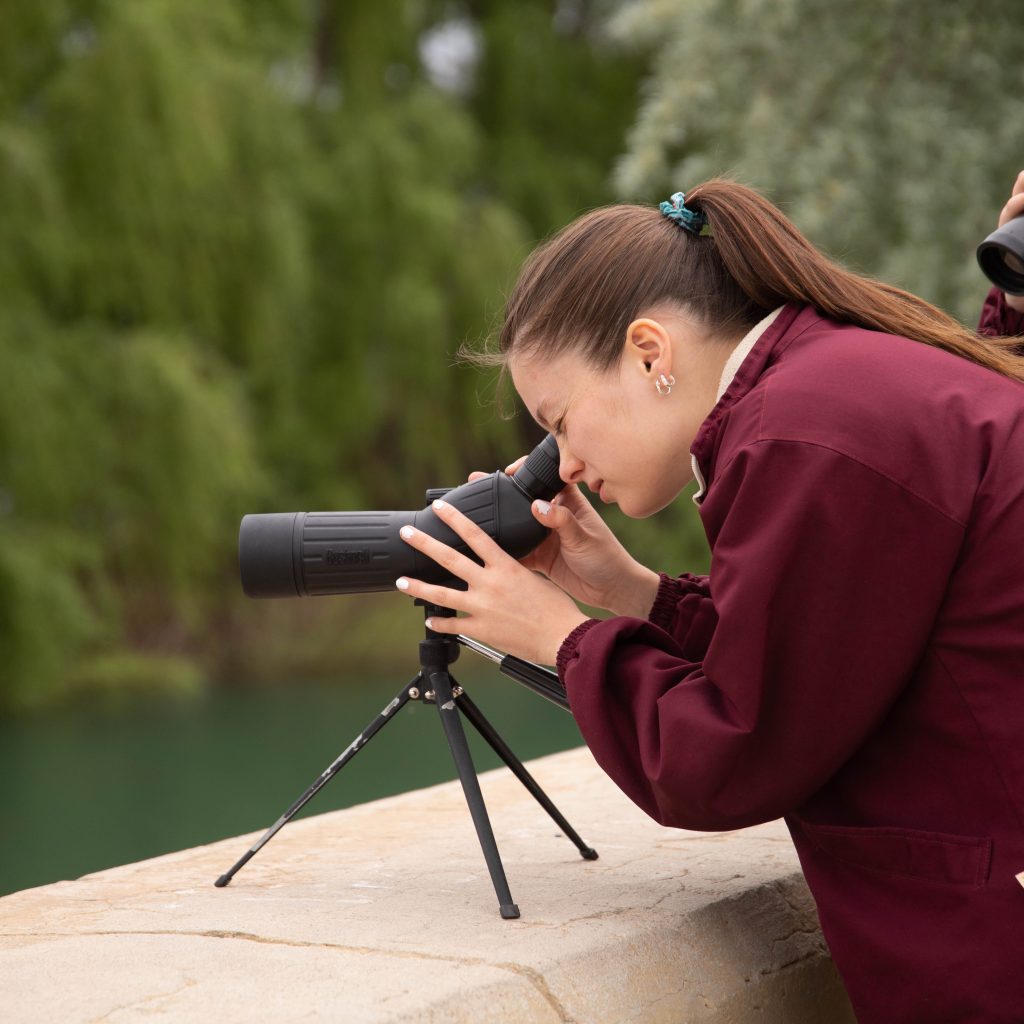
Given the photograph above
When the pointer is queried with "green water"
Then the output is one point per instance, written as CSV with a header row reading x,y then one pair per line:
x,y
90,787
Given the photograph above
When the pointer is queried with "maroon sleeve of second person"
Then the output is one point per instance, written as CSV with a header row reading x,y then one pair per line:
x,y
997,319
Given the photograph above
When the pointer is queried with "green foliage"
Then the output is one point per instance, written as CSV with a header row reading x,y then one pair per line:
x,y
888,131
45,615
121,673
240,244
546,101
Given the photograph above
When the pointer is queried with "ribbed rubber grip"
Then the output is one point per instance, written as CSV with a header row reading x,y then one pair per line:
x,y
538,476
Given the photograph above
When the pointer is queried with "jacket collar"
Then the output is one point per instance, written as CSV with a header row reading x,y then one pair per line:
x,y
742,370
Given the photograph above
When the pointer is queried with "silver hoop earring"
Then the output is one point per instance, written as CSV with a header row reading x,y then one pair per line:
x,y
665,384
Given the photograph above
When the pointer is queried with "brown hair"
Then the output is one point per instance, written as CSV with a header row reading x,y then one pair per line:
x,y
583,288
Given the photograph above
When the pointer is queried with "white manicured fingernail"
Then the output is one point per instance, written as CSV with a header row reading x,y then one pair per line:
x,y
543,507
406,532
429,623
439,504
402,583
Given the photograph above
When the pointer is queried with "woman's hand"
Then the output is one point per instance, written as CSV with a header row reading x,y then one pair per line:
x,y
584,557
506,606
1014,208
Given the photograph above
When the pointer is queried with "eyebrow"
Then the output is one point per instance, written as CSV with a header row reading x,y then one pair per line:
x,y
541,418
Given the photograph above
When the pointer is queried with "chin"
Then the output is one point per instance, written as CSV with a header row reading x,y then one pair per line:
x,y
644,509
636,511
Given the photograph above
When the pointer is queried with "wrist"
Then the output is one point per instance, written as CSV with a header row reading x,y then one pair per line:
x,y
637,597
561,632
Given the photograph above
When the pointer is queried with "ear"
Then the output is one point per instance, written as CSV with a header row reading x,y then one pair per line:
x,y
648,348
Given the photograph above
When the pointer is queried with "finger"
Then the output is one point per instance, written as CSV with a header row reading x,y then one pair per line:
x,y
515,465
1018,185
476,538
1014,208
444,597
444,624
571,494
476,475
447,557
572,498
556,517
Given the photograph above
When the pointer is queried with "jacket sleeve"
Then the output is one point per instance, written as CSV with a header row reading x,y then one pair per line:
x,y
826,579
997,319
684,608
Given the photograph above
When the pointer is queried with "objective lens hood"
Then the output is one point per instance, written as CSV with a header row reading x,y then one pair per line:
x,y
1001,257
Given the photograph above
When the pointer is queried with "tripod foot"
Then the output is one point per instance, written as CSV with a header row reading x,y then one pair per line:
x,y
589,853
222,881
509,911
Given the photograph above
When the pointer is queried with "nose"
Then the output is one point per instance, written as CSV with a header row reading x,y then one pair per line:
x,y
570,468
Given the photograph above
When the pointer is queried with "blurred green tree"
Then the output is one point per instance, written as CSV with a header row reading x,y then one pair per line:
x,y
239,246
888,131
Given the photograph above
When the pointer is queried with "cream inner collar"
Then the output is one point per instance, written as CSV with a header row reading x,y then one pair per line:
x,y
729,371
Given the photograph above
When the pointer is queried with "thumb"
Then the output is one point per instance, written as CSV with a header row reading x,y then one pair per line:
x,y
556,517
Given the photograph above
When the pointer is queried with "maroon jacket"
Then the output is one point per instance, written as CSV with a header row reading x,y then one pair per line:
x,y
855,660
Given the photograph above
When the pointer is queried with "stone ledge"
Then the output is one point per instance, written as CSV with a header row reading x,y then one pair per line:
x,y
384,913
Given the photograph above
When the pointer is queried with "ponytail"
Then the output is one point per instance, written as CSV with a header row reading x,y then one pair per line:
x,y
581,290
773,263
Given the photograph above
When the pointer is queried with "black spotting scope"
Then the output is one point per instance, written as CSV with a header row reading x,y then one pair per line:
x,y
308,554
1001,257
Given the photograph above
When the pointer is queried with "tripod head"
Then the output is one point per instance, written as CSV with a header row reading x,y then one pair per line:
x,y
441,649
307,554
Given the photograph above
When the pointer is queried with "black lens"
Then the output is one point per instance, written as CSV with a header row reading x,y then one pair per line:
x,y
1001,257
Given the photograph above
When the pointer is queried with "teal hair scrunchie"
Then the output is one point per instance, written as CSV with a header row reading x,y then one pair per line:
x,y
693,221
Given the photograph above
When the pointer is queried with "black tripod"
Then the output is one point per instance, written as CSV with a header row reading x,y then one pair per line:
x,y
434,684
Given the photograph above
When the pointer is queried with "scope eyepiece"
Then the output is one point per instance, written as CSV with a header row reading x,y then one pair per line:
x,y
538,476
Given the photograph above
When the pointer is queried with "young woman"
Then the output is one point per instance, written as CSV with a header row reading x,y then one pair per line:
x,y
854,661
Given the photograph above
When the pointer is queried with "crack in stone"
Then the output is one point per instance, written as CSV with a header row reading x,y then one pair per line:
x,y
252,937
137,1003
811,954
642,1013
538,981
784,888
604,915
529,974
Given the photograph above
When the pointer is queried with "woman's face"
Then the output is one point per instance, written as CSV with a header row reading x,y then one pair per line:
x,y
629,444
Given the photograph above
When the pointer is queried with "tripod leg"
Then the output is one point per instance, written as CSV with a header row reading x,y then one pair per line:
x,y
441,684
401,699
502,749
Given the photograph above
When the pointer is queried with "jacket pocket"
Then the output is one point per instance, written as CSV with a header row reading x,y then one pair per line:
x,y
912,853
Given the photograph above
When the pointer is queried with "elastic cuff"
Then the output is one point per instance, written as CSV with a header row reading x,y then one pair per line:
x,y
664,608
567,651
